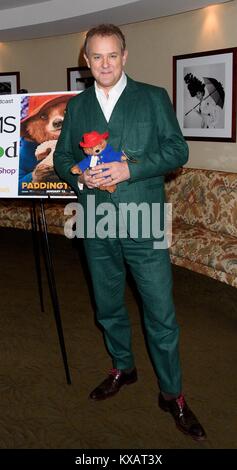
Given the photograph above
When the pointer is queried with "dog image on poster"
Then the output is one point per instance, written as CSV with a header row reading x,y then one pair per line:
x,y
41,123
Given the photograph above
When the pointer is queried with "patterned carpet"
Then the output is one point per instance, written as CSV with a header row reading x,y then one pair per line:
x,y
38,410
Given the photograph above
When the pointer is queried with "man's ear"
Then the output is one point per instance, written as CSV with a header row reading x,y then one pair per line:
x,y
125,56
87,60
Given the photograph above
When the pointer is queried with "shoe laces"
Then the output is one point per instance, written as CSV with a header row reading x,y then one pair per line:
x,y
114,372
181,403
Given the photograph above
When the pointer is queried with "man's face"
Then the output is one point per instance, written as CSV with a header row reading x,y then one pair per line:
x,y
106,60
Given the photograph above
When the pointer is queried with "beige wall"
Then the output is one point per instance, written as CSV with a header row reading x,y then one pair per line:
x,y
43,62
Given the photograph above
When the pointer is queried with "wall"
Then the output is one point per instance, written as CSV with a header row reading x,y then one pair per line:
x,y
151,44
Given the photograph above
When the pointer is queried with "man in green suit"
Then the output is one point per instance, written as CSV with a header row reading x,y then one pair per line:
x,y
140,121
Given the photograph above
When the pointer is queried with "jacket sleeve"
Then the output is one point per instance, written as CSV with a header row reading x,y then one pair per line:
x,y
63,154
172,151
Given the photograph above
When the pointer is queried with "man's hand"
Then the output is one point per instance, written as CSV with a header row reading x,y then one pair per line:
x,y
86,179
108,174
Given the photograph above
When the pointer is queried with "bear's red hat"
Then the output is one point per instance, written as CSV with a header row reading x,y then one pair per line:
x,y
37,103
93,138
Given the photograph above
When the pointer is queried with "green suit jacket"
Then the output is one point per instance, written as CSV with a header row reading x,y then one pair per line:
x,y
143,124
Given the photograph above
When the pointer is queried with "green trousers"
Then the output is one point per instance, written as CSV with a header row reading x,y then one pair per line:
x,y
151,271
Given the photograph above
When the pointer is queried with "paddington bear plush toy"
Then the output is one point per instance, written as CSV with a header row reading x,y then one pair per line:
x,y
98,151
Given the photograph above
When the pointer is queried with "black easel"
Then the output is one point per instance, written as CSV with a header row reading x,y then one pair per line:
x,y
36,249
40,232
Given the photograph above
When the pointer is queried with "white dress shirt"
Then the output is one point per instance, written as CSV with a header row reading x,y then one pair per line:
x,y
107,103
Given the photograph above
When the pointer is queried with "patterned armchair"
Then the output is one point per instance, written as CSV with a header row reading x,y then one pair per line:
x,y
16,213
204,222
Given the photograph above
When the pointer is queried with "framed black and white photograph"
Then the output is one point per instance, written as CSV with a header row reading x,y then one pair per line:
x,y
9,83
204,94
79,78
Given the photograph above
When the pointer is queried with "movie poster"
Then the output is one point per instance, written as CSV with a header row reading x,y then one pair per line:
x,y
29,129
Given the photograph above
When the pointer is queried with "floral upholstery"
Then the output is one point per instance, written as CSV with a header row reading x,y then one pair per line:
x,y
205,222
16,213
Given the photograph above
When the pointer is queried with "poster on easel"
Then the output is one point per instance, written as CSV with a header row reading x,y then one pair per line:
x,y
30,125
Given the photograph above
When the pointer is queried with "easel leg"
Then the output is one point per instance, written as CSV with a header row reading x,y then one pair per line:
x,y
53,291
36,249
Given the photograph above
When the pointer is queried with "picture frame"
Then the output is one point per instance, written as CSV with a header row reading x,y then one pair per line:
x,y
204,94
79,78
9,83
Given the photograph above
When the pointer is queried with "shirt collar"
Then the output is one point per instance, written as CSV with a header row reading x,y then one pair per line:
x,y
117,88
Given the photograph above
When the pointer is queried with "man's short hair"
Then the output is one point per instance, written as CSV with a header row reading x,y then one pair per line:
x,y
105,30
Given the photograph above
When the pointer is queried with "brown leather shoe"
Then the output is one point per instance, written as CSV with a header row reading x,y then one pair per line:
x,y
112,384
184,418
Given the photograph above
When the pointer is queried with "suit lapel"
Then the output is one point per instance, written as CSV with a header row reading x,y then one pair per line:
x,y
124,111
95,113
